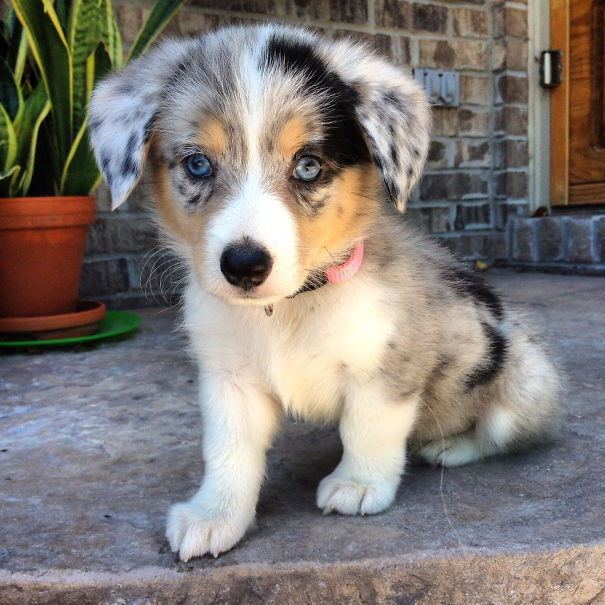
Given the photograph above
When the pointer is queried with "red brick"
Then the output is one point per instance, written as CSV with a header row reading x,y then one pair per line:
x,y
349,11
453,186
429,18
396,48
438,156
265,7
472,154
392,13
512,89
130,20
511,120
455,54
473,122
472,216
445,122
513,185
471,23
475,90
315,10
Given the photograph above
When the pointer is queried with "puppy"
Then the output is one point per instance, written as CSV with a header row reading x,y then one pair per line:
x,y
281,163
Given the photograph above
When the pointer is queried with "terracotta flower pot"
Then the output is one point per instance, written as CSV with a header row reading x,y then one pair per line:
x,y
42,243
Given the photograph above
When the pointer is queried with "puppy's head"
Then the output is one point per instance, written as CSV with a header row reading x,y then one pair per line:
x,y
270,151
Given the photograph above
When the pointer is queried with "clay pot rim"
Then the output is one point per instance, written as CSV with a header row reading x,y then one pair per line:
x,y
47,211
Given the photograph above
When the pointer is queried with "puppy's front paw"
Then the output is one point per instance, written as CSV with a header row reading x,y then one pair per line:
x,y
193,534
336,494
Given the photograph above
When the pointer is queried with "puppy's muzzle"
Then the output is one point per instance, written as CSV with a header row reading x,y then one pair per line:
x,y
246,265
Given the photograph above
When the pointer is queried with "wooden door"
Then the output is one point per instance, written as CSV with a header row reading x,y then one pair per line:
x,y
578,106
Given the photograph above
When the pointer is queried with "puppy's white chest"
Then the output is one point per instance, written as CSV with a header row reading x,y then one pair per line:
x,y
313,360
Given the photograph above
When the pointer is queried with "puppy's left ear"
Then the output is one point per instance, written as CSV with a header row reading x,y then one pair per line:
x,y
393,110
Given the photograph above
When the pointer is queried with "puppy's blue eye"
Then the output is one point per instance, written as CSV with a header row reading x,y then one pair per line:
x,y
308,168
198,166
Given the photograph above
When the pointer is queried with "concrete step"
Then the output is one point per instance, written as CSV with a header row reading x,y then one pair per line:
x,y
95,445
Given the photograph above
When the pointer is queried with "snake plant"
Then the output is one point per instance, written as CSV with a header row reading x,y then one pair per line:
x,y
24,105
54,55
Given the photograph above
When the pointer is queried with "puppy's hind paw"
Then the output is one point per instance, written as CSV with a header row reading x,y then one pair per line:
x,y
352,497
451,451
190,534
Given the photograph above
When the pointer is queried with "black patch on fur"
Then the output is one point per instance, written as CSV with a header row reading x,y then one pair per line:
x,y
128,167
344,142
132,145
390,98
105,161
392,189
496,355
193,201
394,155
466,283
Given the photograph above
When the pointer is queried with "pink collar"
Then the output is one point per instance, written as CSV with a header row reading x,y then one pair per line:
x,y
343,272
335,275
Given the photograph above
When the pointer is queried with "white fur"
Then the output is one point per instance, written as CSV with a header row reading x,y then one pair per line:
x,y
260,216
413,351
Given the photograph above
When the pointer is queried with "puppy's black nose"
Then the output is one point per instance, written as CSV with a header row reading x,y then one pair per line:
x,y
246,265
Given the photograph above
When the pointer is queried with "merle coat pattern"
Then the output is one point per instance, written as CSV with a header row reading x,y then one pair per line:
x,y
273,152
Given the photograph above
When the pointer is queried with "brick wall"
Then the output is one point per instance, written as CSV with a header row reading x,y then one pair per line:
x,y
477,172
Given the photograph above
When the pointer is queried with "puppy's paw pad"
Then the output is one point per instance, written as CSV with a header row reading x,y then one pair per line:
x,y
190,534
352,497
451,451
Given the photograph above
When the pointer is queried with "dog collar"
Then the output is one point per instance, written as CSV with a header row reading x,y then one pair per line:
x,y
334,275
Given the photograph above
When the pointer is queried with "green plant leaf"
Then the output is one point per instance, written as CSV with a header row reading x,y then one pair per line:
x,y
10,92
7,177
89,26
50,50
81,173
36,108
160,15
8,141
17,45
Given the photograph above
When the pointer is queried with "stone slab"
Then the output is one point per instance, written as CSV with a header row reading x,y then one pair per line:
x,y
96,443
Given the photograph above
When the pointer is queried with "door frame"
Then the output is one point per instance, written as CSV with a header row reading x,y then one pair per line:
x,y
559,107
540,126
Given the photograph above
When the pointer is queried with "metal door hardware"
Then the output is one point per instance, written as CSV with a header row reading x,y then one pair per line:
x,y
551,68
441,85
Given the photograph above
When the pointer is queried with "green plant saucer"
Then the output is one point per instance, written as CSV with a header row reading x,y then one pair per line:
x,y
115,323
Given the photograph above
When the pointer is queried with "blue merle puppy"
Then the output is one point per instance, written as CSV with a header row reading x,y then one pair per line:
x,y
281,165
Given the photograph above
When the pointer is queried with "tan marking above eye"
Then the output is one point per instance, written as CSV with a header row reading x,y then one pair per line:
x,y
293,136
212,136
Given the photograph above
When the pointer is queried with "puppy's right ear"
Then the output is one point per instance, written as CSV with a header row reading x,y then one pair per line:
x,y
122,113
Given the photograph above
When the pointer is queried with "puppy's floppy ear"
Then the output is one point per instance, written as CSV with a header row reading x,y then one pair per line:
x,y
393,110
122,114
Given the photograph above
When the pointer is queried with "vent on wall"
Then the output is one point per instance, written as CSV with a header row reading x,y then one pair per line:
x,y
441,85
